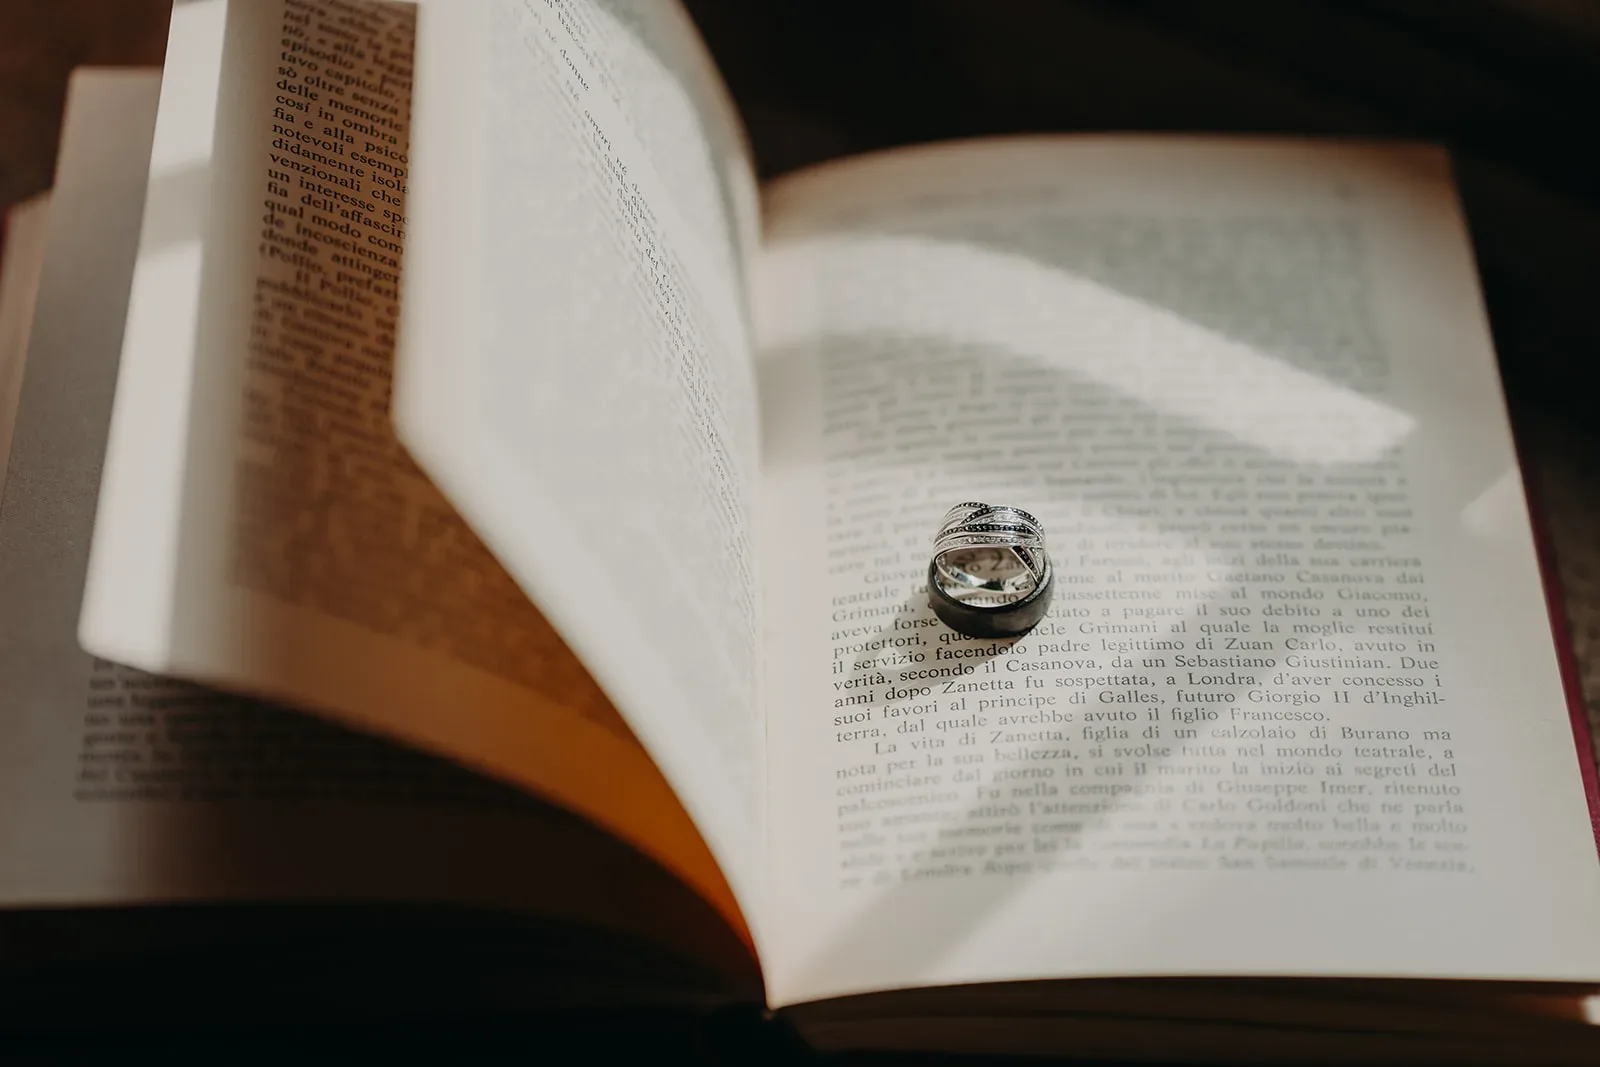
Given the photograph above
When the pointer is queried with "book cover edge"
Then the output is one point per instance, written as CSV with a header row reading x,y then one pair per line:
x,y
1561,635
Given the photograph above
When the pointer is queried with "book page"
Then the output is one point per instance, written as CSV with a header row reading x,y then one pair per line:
x,y
575,365
122,788
1295,709
260,528
22,235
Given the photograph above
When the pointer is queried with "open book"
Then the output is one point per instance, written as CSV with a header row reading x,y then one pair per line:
x,y
472,396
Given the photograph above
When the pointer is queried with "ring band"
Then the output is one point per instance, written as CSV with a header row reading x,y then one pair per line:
x,y
990,575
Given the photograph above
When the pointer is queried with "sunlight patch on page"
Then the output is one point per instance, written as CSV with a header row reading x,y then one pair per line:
x,y
145,463
1076,324
141,495
1500,512
188,125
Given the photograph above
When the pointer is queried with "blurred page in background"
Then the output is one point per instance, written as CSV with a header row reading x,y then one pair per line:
x,y
22,238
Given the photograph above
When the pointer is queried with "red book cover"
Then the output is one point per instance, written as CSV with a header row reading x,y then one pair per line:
x,y
1561,633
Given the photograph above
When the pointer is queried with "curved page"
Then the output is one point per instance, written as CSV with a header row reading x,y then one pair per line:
x,y
575,369
260,527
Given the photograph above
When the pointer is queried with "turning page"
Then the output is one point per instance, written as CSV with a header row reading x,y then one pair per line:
x,y
1295,708
575,365
260,528
121,788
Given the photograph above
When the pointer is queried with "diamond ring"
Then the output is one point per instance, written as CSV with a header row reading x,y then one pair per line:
x,y
990,575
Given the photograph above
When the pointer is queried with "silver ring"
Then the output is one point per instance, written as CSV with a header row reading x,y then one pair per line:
x,y
989,556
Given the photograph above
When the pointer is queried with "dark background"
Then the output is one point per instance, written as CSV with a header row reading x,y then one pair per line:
x,y
1512,87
